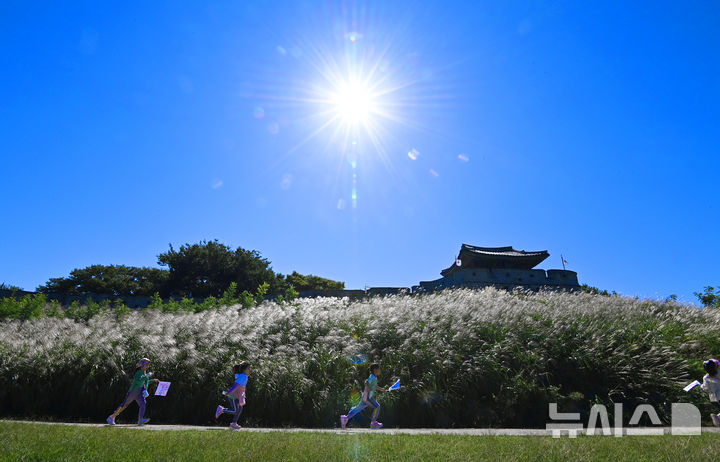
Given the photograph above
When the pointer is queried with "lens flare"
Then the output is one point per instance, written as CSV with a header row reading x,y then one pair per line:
x,y
358,359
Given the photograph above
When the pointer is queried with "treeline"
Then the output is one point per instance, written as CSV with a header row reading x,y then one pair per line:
x,y
37,306
709,297
205,269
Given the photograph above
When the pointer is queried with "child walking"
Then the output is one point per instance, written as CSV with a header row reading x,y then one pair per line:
x,y
368,399
711,384
236,394
137,392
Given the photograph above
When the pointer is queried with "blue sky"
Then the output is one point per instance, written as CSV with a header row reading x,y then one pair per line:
x,y
589,129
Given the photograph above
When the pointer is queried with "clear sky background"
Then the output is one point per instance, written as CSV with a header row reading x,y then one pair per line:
x,y
590,129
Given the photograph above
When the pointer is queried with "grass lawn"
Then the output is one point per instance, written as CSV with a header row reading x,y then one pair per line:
x,y
31,442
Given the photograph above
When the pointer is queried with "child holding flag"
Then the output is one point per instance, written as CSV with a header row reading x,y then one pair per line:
x,y
367,399
137,392
236,394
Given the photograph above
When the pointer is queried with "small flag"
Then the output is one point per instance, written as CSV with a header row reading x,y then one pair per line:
x,y
162,388
395,386
692,385
565,262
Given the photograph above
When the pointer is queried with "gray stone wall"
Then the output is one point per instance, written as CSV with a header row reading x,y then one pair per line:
x,y
505,278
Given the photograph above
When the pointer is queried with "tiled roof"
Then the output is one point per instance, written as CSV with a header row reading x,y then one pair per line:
x,y
502,251
496,257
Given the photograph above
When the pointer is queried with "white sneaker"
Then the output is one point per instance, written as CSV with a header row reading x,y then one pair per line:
x,y
110,420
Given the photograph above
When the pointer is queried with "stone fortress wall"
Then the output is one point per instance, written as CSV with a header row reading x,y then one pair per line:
x,y
506,279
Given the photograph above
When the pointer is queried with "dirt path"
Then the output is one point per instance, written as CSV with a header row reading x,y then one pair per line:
x,y
351,431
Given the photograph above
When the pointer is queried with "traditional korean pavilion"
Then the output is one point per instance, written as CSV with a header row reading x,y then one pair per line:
x,y
502,267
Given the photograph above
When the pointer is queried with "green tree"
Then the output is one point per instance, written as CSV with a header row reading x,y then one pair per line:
x,y
120,309
32,306
116,280
595,291
247,299
230,296
208,268
156,302
261,292
290,293
310,282
710,297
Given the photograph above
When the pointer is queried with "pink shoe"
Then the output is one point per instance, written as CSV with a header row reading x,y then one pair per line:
x,y
218,411
716,419
343,421
235,426
375,424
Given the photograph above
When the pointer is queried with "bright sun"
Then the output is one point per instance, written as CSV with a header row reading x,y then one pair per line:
x,y
353,102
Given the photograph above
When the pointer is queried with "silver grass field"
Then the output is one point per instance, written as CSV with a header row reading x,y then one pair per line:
x,y
466,358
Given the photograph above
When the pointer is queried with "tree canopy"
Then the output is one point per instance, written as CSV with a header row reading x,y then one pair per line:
x,y
109,279
310,282
208,268
199,270
709,297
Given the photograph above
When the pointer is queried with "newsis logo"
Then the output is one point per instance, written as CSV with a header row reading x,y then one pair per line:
x,y
685,421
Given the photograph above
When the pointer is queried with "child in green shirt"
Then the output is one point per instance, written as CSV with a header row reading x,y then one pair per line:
x,y
137,392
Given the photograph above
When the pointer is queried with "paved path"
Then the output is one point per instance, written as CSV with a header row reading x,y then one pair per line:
x,y
355,431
